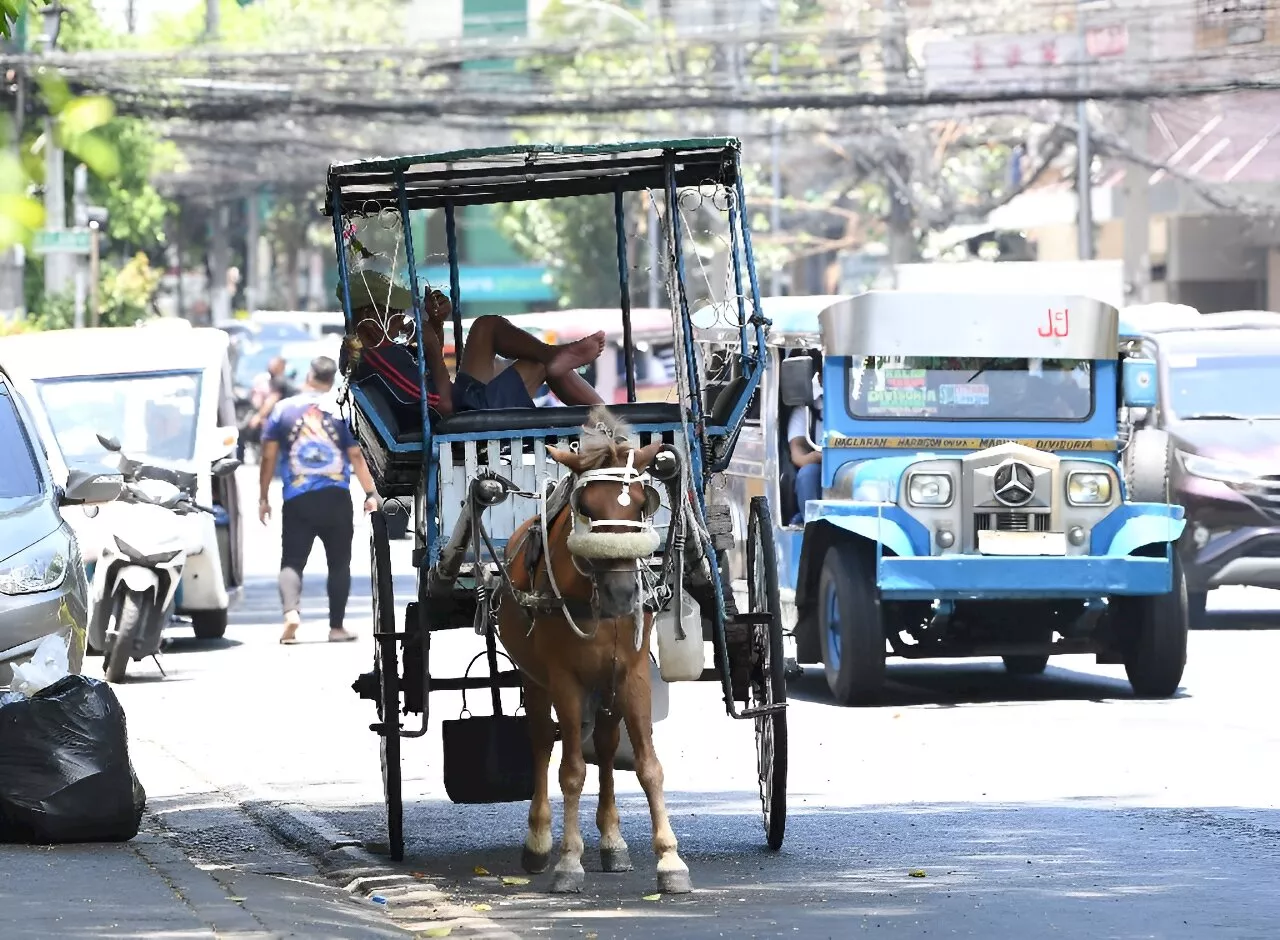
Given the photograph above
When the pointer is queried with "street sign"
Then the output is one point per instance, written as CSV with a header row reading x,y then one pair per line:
x,y
70,241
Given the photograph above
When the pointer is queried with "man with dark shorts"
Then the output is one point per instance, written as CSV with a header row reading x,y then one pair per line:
x,y
483,382
313,450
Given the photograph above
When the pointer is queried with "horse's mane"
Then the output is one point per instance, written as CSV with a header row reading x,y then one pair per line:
x,y
604,439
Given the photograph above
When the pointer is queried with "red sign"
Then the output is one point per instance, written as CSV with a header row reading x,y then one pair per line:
x,y
1103,42
1057,324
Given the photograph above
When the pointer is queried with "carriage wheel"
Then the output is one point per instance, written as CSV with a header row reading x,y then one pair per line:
x,y
387,666
768,677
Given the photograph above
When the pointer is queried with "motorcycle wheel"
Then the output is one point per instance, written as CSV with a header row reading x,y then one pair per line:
x,y
130,616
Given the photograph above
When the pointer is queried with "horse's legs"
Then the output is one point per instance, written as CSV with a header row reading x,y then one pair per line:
x,y
569,875
536,855
614,856
673,873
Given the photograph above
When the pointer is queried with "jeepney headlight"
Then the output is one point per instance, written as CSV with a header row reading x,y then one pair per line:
x,y
929,489
1089,488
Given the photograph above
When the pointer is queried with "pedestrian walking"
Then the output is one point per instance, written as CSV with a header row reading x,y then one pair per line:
x,y
308,444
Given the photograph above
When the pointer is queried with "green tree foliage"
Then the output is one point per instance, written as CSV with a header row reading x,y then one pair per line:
x,y
126,294
575,239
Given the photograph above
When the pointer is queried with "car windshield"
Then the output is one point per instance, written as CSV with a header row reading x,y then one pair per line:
x,y
1224,387
19,473
971,388
153,415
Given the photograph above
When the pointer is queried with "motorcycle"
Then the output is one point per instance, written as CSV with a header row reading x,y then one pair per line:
x,y
138,571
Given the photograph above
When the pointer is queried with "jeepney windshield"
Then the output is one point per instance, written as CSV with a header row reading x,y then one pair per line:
x,y
971,388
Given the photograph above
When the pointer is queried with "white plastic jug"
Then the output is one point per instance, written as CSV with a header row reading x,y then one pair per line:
x,y
680,659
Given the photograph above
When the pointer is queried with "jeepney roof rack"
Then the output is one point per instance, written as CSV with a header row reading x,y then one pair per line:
x,y
488,175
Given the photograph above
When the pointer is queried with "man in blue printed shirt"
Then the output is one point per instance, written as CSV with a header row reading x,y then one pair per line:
x,y
312,449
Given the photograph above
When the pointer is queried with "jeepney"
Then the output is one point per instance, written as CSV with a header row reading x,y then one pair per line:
x,y
980,495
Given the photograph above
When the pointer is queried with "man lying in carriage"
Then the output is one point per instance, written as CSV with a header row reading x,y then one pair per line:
x,y
614,535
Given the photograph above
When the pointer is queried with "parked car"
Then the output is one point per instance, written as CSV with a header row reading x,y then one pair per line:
x,y
43,586
165,395
1219,404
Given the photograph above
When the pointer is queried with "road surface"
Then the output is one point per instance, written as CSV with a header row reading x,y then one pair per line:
x,y
1032,807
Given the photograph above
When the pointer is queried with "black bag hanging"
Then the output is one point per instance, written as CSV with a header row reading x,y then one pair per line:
x,y
65,773
488,759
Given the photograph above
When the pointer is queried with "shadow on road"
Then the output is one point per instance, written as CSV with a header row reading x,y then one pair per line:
x,y
988,870
961,682
1242,620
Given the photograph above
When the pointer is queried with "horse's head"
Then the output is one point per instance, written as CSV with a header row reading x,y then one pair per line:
x,y
613,502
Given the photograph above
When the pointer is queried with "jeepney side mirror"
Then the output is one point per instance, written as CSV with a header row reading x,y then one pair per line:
x,y
1138,383
796,381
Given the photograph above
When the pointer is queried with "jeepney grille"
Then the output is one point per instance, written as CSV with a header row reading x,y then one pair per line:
x,y
1011,521
1264,493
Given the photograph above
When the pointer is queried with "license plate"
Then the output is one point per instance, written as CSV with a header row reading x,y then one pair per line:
x,y
1022,543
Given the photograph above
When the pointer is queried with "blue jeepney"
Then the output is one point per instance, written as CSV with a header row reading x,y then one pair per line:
x,y
976,495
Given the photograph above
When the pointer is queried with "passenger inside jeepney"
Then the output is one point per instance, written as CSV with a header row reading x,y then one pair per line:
x,y
804,436
502,366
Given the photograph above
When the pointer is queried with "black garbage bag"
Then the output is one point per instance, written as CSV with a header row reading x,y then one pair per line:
x,y
65,774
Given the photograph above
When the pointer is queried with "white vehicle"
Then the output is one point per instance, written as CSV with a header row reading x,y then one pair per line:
x,y
319,323
165,396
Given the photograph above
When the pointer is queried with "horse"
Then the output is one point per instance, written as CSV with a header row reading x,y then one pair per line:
x,y
591,655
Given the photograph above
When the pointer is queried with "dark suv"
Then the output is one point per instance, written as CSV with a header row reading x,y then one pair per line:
x,y
1220,405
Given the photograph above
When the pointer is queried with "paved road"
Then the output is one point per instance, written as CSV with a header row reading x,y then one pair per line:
x,y
1052,806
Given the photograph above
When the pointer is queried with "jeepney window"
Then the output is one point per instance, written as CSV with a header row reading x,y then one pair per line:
x,y
971,388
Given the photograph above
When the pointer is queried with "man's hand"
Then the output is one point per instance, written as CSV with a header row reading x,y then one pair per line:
x,y
264,511
371,504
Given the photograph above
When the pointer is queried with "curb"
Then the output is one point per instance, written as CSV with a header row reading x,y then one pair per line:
x,y
411,902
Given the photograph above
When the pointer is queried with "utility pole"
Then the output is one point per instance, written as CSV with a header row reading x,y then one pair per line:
x,y
252,272
212,20
80,210
1137,208
1084,149
775,154
13,275
130,17
655,272
893,56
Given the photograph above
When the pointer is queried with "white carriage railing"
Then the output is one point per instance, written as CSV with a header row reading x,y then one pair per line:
x,y
529,467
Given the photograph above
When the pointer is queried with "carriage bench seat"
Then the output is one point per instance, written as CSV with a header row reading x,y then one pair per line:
x,y
390,430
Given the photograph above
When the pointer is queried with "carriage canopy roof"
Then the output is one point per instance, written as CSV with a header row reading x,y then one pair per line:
x,y
535,171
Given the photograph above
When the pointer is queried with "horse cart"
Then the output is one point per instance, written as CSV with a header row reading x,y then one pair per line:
x,y
493,490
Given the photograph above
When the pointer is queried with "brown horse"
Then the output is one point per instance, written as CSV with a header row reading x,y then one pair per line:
x,y
591,659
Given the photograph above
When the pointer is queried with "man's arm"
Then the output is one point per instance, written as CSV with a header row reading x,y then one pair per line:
x,y
801,453
434,353
361,470
270,455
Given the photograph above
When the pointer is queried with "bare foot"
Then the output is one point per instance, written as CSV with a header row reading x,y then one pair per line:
x,y
575,355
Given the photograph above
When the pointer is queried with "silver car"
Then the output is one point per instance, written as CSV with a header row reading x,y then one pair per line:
x,y
43,589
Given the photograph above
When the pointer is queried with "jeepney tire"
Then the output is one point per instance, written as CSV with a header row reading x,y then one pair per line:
x,y
849,613
1146,466
209,624
1197,610
1153,637
1025,665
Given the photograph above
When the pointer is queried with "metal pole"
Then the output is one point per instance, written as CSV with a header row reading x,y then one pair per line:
x,y
94,235
624,292
1137,206
775,159
253,272
211,20
130,17
55,211
80,213
655,291
1084,153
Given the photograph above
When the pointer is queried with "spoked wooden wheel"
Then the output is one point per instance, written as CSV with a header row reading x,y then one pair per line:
x,y
387,667
768,676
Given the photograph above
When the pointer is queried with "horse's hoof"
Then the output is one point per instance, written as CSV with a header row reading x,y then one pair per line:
x,y
568,882
615,860
674,882
533,862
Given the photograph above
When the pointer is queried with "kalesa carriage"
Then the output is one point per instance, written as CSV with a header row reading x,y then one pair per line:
x,y
566,538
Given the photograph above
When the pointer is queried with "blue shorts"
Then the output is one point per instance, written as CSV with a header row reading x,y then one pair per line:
x,y
505,391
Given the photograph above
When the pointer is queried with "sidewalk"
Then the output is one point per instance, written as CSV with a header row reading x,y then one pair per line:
x,y
200,870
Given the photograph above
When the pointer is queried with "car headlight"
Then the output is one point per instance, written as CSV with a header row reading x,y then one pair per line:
x,y
1089,488
1214,469
929,489
40,567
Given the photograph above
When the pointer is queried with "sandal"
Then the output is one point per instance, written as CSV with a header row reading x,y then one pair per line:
x,y
342,636
291,623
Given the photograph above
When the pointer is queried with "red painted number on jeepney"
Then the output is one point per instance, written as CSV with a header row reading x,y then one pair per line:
x,y
1057,323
